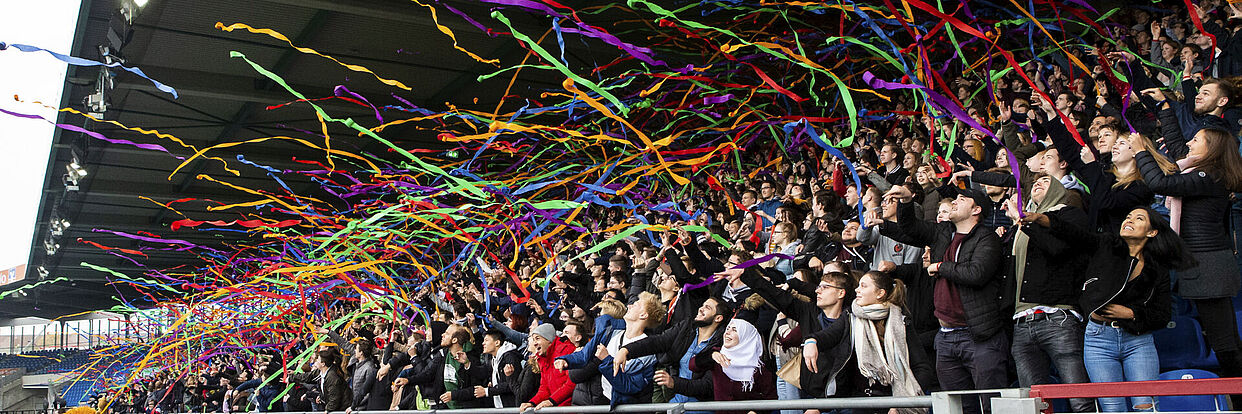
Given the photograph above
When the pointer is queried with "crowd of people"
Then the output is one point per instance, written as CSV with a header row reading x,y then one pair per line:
x,y
956,262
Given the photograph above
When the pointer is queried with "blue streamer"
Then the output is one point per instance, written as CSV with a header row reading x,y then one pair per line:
x,y
77,61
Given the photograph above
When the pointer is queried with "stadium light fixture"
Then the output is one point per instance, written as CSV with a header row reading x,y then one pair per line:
x,y
76,171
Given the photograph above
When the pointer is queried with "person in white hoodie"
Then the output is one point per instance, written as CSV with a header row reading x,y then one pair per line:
x,y
505,360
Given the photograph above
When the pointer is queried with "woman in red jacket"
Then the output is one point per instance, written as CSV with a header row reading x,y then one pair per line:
x,y
555,387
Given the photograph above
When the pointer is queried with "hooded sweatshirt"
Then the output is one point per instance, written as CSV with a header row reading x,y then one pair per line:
x,y
505,347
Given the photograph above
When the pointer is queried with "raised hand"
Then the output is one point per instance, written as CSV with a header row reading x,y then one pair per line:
x,y
900,192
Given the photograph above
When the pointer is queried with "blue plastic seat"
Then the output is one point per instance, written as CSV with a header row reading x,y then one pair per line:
x,y
1186,403
1238,316
1181,345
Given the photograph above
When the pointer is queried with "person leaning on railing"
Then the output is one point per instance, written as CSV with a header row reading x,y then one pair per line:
x,y
736,368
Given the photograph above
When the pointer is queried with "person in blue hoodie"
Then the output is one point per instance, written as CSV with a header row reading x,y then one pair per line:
x,y
633,384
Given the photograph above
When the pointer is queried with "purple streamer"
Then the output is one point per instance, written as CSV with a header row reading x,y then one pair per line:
x,y
712,279
341,90
93,134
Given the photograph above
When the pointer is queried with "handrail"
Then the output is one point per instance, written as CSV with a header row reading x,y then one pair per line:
x,y
819,403
1159,388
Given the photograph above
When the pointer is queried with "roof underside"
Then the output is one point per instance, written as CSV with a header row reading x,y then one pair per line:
x,y
223,99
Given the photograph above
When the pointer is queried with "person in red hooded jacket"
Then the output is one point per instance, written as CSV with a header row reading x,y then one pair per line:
x,y
555,387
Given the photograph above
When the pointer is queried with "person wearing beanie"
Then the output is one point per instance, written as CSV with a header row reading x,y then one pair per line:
x,y
555,387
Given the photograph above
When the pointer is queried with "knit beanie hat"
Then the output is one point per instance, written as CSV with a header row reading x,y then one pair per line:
x,y
546,331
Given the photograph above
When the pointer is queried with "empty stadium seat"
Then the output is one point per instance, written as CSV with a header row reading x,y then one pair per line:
x,y
1186,403
1181,345
77,393
1238,315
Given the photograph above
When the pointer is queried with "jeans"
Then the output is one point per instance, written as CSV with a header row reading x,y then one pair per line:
x,y
1050,339
1114,355
785,391
965,364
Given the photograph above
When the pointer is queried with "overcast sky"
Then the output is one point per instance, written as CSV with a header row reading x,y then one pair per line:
x,y
25,144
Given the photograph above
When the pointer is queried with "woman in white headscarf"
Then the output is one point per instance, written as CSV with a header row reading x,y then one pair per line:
x,y
737,372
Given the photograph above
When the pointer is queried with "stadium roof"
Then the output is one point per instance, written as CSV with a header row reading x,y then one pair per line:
x,y
223,99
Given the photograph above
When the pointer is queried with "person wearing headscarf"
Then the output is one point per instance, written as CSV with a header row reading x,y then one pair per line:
x,y
1047,275
737,372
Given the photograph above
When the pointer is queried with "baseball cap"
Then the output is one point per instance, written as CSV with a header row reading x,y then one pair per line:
x,y
981,198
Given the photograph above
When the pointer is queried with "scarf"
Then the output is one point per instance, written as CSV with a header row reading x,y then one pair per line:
x,y
887,363
1054,199
1175,203
743,357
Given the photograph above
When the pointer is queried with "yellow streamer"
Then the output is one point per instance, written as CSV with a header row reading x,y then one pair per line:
x,y
307,50
445,30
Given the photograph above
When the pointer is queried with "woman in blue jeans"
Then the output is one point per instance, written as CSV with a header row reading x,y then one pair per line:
x,y
1126,293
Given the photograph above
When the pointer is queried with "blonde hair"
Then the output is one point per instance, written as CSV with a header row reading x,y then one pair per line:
x,y
977,153
611,307
1141,142
656,311
791,231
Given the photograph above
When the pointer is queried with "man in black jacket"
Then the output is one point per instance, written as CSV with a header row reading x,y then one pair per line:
x,y
891,156
823,377
679,344
505,360
453,372
971,349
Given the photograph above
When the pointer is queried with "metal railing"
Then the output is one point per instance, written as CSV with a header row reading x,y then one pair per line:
x,y
942,402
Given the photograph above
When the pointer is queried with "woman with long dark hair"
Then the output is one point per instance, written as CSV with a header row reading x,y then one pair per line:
x,y
1199,211
1126,296
1116,189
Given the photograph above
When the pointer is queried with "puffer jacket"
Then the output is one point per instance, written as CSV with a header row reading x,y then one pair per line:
x,y
976,272
554,384
588,386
